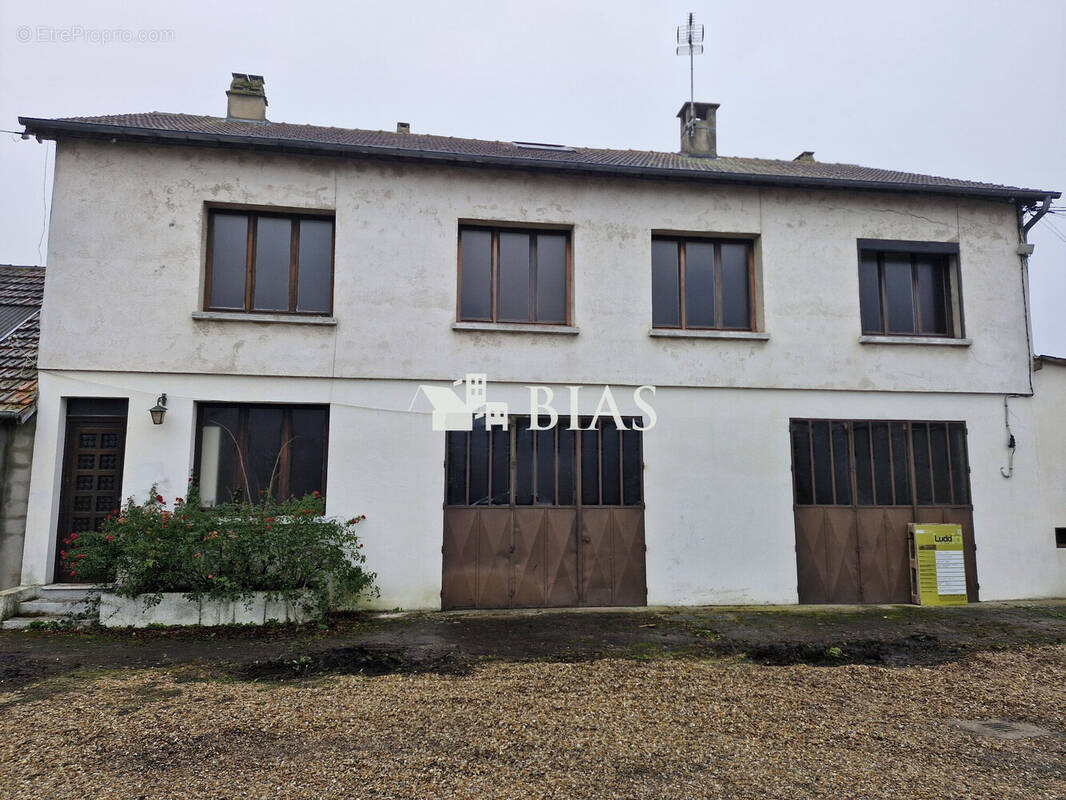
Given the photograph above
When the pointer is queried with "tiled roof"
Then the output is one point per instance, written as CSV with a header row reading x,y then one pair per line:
x,y
185,128
21,286
21,292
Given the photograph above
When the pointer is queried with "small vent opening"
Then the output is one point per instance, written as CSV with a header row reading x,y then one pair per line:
x,y
561,148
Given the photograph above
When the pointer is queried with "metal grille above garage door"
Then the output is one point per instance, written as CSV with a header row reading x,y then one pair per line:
x,y
858,484
544,518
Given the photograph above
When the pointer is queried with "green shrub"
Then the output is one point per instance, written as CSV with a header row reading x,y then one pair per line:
x,y
288,549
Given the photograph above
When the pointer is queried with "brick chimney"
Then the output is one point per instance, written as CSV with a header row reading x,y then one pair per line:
x,y
698,132
246,98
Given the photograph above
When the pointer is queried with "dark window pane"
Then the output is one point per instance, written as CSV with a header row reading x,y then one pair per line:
x,y
699,285
665,291
262,450
960,468
476,296
273,255
882,464
229,260
479,464
823,472
864,481
513,302
923,484
632,469
842,463
218,472
308,448
551,278
456,490
590,466
901,470
932,295
566,466
546,467
899,293
611,464
870,294
315,267
801,463
938,444
501,467
523,493
736,300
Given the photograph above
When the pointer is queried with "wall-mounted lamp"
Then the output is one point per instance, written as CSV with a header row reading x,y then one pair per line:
x,y
159,410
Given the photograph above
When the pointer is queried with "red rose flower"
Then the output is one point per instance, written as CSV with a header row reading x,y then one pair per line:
x,y
73,536
159,498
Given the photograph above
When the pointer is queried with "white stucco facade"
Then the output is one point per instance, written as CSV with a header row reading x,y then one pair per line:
x,y
126,277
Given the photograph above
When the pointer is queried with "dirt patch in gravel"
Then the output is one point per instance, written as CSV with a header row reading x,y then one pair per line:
x,y
448,643
358,660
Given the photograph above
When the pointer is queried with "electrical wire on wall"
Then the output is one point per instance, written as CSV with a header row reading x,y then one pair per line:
x,y
1012,444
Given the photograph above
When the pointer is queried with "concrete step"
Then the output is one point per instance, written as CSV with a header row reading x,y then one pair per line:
x,y
66,591
22,623
41,607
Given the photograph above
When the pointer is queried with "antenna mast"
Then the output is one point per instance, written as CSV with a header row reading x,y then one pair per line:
x,y
690,43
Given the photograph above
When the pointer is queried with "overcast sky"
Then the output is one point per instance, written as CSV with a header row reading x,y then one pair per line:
x,y
970,89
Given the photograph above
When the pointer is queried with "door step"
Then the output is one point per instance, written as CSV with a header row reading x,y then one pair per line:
x,y
61,605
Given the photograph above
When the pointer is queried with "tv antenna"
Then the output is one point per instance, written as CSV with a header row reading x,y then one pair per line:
x,y
690,43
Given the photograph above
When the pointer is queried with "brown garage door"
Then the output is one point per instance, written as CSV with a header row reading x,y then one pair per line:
x,y
544,518
858,484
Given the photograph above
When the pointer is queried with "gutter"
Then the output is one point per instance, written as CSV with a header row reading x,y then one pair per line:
x,y
53,129
19,417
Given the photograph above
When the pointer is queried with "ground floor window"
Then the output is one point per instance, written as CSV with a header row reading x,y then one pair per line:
x,y
248,452
599,465
879,463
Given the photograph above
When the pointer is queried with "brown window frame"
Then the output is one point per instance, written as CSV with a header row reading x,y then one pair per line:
x,y
508,497
494,289
241,434
717,241
955,487
948,255
253,216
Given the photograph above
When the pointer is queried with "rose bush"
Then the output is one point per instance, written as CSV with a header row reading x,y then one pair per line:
x,y
289,549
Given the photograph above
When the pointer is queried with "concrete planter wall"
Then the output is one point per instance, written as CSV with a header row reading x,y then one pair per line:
x,y
176,609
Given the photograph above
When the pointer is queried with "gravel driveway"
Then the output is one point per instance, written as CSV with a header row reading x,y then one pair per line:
x,y
659,728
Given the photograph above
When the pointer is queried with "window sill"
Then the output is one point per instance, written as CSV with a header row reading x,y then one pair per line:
x,y
921,340
239,316
672,333
515,327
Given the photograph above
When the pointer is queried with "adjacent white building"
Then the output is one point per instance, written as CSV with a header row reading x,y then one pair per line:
x,y
831,348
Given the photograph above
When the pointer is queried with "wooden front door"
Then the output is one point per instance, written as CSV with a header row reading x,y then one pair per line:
x,y
537,519
92,479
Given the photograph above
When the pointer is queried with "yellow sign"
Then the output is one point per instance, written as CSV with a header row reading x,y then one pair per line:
x,y
938,566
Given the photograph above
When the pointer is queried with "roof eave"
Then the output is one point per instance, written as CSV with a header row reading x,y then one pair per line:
x,y
20,416
54,129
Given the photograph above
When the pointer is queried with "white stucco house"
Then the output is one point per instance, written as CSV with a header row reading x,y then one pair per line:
x,y
832,349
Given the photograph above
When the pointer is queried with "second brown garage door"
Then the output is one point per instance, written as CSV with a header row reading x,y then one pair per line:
x,y
543,518
858,485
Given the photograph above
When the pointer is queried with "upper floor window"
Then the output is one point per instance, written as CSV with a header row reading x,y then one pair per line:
x,y
702,283
909,288
269,262
247,452
514,275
